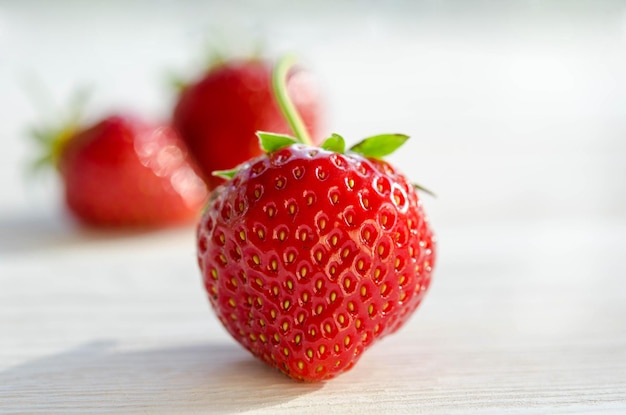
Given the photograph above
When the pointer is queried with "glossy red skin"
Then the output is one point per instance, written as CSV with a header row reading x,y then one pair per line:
x,y
309,257
218,115
123,172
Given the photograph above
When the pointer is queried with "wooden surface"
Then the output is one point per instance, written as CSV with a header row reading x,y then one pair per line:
x,y
517,115
519,320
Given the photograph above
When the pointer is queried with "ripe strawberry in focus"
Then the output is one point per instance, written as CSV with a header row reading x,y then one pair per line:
x,y
124,172
219,114
311,254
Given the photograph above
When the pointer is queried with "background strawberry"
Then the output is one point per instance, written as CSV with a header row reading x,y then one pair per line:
x,y
309,255
219,114
124,172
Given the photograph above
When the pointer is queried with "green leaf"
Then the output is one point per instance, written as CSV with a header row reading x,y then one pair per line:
x,y
45,137
335,143
272,142
379,146
41,163
215,58
176,82
225,174
423,189
52,137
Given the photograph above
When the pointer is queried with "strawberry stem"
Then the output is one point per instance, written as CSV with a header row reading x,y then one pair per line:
x,y
279,85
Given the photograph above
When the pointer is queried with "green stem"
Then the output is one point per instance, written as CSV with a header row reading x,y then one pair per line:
x,y
279,85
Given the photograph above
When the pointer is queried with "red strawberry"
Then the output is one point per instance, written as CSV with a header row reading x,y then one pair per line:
x,y
219,114
309,255
124,172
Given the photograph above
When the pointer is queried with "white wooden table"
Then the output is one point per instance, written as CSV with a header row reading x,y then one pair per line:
x,y
518,117
519,320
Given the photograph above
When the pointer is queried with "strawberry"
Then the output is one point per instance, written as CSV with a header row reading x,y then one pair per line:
x,y
122,171
218,114
311,254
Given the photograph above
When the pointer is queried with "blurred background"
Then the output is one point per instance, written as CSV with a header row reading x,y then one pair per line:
x,y
517,109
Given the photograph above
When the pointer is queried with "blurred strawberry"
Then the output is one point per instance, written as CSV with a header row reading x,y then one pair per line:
x,y
122,171
219,114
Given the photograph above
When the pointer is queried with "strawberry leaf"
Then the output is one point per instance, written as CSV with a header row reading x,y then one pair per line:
x,y
53,138
42,136
176,82
272,142
335,143
225,174
379,146
423,189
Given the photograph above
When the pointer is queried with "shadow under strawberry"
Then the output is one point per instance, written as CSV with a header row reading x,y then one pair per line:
x,y
95,378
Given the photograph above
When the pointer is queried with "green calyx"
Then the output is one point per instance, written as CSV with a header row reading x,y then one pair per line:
x,y
226,174
270,142
53,142
335,143
423,189
53,139
374,147
379,146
